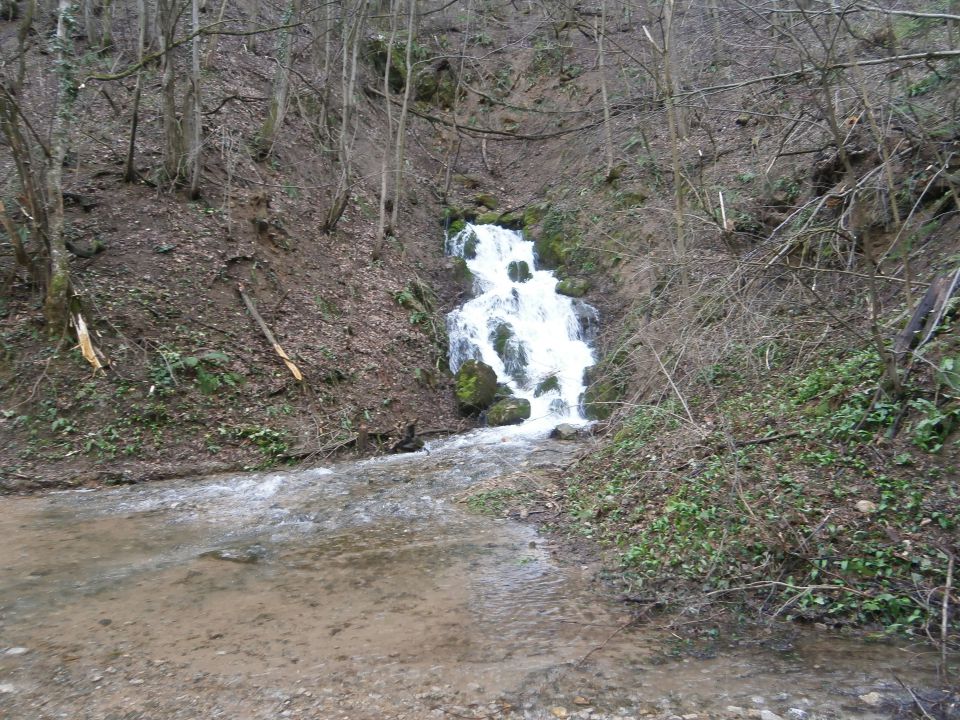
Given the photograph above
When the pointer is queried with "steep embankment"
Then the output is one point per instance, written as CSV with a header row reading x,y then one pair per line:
x,y
775,254
191,383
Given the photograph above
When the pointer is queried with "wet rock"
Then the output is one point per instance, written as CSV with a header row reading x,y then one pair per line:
x,y
461,273
511,350
511,411
550,384
247,555
564,431
17,651
512,220
519,271
601,396
475,385
470,245
873,699
769,715
797,714
534,213
7,688
487,218
573,287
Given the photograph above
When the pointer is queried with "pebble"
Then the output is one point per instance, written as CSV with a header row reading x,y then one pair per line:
x,y
17,651
769,715
872,699
797,714
7,688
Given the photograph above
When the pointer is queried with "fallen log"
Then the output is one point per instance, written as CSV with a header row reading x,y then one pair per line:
x,y
294,370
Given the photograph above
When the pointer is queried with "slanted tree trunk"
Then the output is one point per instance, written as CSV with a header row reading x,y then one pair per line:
x,y
402,123
57,302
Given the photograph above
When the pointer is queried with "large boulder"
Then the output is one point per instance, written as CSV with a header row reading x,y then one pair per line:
x,y
475,385
511,411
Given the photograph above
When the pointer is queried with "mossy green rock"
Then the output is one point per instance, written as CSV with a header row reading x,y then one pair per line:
x,y
519,271
487,218
512,220
461,273
470,246
456,226
601,396
475,385
487,200
503,393
573,287
534,214
500,337
376,52
553,248
550,384
511,411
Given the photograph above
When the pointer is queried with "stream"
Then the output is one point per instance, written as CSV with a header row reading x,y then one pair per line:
x,y
368,590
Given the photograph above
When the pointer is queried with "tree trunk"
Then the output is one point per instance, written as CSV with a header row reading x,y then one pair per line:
x,y
167,17
382,229
57,303
402,124
281,83
130,171
193,107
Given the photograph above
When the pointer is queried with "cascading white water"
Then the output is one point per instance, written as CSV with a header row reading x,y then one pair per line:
x,y
534,338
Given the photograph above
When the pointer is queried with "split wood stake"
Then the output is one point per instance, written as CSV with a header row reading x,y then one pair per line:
x,y
269,335
86,345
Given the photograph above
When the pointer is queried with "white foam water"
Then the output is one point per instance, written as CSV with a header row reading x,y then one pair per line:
x,y
522,328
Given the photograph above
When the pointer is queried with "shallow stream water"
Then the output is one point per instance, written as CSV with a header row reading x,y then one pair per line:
x,y
367,590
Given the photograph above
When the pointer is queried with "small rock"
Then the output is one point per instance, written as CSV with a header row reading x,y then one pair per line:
x,y
17,651
559,712
734,710
580,700
797,714
866,507
137,681
564,431
7,688
872,699
769,715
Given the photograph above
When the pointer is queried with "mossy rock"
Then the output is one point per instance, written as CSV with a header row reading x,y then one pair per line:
x,y
456,227
475,385
461,273
425,85
519,271
500,337
550,384
452,213
559,239
511,351
554,249
512,220
487,218
602,394
573,287
511,411
470,246
534,213
504,392
632,198
376,53
486,200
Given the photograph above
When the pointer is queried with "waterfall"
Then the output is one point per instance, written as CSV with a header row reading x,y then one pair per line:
x,y
535,339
